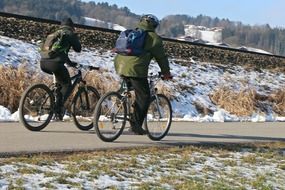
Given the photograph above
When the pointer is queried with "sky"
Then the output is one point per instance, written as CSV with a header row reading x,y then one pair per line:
x,y
247,11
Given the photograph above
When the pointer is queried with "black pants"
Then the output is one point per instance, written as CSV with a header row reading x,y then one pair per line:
x,y
142,99
56,67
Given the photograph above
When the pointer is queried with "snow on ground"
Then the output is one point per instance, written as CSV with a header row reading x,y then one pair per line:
x,y
14,52
96,22
186,168
191,84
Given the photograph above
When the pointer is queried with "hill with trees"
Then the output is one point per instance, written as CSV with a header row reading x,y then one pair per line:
x,y
172,26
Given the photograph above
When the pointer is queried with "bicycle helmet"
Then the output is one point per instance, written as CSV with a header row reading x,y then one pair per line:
x,y
150,19
67,22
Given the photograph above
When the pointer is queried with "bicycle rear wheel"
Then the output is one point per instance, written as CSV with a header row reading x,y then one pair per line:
x,y
84,103
110,116
36,107
159,117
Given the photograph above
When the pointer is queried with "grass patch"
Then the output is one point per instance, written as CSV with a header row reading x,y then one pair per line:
x,y
239,103
247,101
64,179
281,166
250,159
47,186
28,170
190,184
260,183
230,162
189,167
14,81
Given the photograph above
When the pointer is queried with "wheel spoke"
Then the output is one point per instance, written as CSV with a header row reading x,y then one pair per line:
x,y
84,106
35,110
110,117
159,117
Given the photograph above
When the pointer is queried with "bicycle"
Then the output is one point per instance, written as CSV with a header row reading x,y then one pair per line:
x,y
38,103
113,110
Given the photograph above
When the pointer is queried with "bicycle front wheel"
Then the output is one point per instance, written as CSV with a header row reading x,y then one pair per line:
x,y
36,107
110,116
159,117
84,103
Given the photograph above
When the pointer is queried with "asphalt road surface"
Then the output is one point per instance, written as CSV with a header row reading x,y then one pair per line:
x,y
65,137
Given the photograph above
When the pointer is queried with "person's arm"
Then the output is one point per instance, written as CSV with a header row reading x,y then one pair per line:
x,y
160,56
75,43
70,63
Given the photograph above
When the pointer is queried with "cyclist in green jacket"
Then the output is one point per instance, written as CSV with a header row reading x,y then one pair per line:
x,y
54,54
136,69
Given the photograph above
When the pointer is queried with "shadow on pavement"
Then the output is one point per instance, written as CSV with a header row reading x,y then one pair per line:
x,y
223,136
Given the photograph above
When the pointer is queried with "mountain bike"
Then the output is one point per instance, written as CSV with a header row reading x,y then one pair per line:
x,y
38,103
114,109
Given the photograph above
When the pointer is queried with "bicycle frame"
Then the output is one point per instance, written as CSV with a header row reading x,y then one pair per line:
x,y
40,102
75,79
114,109
126,88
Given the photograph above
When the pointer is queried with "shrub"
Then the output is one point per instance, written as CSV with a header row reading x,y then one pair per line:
x,y
239,103
13,82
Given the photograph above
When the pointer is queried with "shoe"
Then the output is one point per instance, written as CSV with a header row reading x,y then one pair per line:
x,y
141,131
137,130
58,117
59,113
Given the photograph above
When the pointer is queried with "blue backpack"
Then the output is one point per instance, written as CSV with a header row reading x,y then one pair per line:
x,y
131,42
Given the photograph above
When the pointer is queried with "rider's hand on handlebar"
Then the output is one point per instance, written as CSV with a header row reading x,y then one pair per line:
x,y
167,76
73,64
93,68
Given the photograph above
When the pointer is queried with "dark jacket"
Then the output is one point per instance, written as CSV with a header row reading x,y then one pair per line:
x,y
69,40
137,66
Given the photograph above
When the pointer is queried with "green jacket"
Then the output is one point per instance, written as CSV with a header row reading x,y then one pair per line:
x,y
137,66
69,40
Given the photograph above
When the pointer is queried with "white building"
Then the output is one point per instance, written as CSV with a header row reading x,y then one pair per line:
x,y
209,35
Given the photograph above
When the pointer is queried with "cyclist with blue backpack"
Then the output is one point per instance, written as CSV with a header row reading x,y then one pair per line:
x,y
136,49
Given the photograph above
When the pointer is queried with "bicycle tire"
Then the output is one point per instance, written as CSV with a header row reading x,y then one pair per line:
x,y
158,126
36,107
83,107
110,116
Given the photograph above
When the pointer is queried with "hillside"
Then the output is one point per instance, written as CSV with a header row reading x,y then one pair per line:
x,y
201,90
172,26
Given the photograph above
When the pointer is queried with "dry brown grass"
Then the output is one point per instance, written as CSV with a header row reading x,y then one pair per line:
x,y
166,90
202,109
278,99
246,102
239,103
102,81
13,82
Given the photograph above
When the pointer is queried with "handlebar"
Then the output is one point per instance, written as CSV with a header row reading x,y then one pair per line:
x,y
79,66
159,75
93,68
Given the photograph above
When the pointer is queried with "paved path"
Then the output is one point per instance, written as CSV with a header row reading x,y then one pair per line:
x,y
64,136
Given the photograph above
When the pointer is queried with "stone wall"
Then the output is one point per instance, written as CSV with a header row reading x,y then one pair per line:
x,y
32,31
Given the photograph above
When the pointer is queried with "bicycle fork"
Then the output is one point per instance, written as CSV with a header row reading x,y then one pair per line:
x,y
84,95
158,107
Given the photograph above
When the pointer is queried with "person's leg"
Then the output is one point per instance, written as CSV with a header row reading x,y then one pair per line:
x,y
142,99
63,78
47,66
